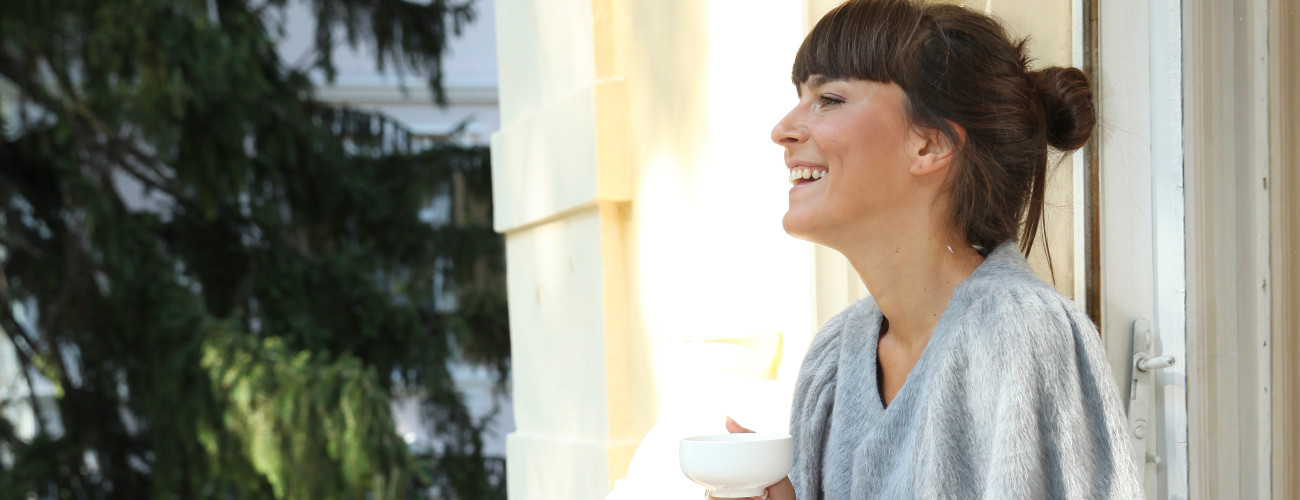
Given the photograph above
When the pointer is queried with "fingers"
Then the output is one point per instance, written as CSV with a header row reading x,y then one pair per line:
x,y
734,427
783,490
772,491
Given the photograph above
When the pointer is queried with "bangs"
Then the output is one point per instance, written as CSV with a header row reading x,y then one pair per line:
x,y
860,39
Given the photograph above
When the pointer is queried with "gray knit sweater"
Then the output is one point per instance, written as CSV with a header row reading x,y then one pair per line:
x,y
1012,398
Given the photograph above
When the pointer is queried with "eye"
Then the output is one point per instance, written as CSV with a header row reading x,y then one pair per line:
x,y
829,100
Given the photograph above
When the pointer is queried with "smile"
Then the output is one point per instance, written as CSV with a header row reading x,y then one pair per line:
x,y
800,175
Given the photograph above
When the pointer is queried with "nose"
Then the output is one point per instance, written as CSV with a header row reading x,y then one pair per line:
x,y
790,130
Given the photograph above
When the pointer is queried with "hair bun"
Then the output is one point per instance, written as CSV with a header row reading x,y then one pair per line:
x,y
1066,97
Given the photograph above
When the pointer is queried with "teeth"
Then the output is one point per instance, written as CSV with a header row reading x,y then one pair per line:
x,y
806,173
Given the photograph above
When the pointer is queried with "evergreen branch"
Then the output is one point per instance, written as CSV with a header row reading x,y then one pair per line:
x,y
8,324
16,240
300,64
71,258
33,90
146,160
325,219
260,9
60,76
55,312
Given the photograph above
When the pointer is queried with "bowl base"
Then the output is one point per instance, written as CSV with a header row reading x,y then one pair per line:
x,y
737,493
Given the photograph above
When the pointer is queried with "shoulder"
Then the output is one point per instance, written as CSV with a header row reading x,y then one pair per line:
x,y
857,317
1032,348
854,323
1018,316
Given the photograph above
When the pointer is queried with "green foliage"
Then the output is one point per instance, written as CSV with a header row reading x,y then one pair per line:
x,y
279,402
225,280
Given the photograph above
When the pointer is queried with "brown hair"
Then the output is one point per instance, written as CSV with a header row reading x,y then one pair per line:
x,y
958,66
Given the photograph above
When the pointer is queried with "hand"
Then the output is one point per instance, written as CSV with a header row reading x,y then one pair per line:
x,y
782,490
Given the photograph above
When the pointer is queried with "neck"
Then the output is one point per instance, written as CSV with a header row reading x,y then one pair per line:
x,y
912,278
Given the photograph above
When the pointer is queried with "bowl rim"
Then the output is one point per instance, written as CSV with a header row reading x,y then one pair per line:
x,y
739,437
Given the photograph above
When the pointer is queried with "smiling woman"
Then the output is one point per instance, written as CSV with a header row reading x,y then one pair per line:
x,y
918,149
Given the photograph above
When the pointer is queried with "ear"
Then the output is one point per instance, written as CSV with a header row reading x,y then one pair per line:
x,y
934,150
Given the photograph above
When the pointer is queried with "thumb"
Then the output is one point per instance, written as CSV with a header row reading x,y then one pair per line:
x,y
734,427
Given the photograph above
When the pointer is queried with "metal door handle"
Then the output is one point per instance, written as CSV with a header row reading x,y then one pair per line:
x,y
1156,363
1141,399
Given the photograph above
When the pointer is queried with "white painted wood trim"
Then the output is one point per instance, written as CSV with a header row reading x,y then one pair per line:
x,y
1142,224
1079,162
1226,108
1257,13
412,93
1122,87
1284,192
1169,257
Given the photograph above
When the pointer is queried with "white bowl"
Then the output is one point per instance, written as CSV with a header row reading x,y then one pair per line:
x,y
737,465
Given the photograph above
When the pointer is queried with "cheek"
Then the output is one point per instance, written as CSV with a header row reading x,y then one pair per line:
x,y
871,178
864,138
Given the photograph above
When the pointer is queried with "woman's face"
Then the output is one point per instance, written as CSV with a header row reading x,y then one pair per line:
x,y
853,139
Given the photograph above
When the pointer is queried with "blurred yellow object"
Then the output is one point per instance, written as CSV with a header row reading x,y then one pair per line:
x,y
756,357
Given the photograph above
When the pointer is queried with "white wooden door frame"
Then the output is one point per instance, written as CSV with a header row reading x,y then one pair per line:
x,y
1139,91
1227,111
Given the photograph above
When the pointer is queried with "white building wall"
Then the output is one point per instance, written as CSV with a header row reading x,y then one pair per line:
x,y
469,77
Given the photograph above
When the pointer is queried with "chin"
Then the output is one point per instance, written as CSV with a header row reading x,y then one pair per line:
x,y
785,224
801,228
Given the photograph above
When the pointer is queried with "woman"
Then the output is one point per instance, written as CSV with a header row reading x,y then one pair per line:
x,y
918,147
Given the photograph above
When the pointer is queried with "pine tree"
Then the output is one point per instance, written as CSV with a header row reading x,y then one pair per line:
x,y
225,280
